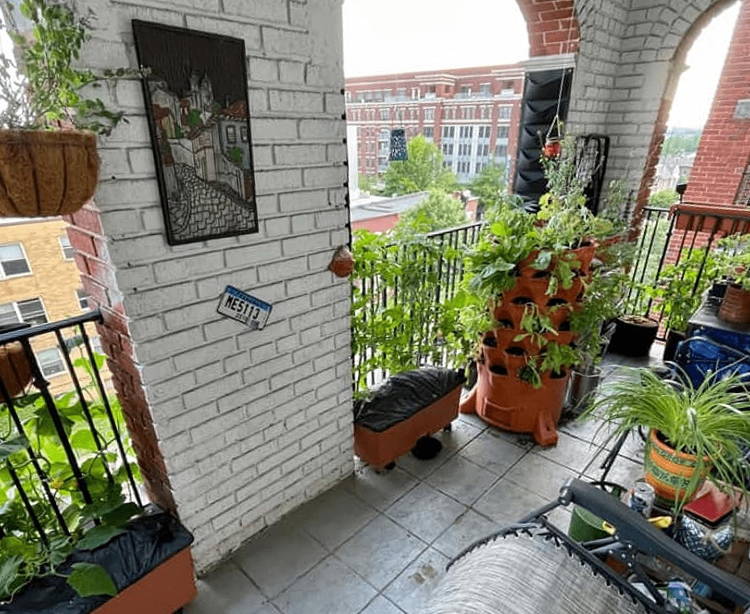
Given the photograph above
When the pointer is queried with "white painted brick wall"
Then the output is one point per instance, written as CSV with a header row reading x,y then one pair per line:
x,y
251,423
624,65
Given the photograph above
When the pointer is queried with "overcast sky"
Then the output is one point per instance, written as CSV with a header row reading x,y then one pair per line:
x,y
386,36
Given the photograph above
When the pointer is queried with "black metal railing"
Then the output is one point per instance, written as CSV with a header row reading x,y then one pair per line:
x,y
424,276
66,459
670,235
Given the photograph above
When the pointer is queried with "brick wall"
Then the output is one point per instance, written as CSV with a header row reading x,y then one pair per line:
x,y
551,25
724,150
235,427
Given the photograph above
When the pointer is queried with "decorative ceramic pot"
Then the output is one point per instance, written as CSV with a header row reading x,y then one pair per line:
x,y
668,470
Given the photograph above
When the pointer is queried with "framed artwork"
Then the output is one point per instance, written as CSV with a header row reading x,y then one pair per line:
x,y
198,114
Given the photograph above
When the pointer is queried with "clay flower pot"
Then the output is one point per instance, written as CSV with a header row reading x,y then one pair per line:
x,y
15,371
735,307
668,470
46,173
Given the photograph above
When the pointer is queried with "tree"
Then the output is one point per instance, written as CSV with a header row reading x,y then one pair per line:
x,y
423,170
436,212
678,144
663,198
490,185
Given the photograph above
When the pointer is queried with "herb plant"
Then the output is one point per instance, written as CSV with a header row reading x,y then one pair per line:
x,y
47,90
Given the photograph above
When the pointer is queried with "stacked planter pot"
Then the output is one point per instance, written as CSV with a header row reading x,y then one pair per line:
x,y
501,397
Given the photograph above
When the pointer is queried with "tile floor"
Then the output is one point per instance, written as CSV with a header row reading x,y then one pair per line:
x,y
378,543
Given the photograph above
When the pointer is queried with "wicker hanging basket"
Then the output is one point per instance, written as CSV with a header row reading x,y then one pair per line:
x,y
15,371
46,173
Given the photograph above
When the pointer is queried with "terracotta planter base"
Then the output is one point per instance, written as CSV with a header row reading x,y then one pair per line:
x,y
382,448
164,590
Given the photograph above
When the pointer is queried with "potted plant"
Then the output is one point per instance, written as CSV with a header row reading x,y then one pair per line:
x,y
734,254
48,126
679,292
694,432
529,272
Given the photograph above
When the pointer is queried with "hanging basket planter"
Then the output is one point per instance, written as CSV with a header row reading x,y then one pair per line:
x,y
46,173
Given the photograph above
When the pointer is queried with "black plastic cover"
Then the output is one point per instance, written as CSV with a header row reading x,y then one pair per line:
x,y
147,542
403,395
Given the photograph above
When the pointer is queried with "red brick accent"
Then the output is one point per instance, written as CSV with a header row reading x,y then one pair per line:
x,y
552,25
97,275
724,150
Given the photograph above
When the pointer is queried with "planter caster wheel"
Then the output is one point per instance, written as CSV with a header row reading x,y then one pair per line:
x,y
448,427
385,468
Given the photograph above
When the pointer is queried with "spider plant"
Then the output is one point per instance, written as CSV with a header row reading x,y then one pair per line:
x,y
710,422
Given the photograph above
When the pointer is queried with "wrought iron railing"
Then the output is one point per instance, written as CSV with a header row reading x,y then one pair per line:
x,y
434,279
670,235
65,456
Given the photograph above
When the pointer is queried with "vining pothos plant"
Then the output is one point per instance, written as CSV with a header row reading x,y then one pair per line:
x,y
45,89
24,555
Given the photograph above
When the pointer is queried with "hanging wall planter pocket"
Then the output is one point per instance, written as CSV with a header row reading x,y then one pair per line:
x,y
46,173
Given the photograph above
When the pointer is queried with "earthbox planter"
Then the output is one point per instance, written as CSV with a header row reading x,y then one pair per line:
x,y
668,470
735,307
502,396
150,563
634,336
404,408
46,173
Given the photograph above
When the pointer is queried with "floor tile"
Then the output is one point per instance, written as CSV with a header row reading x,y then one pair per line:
x,y
411,590
380,489
422,468
560,517
507,502
278,557
334,516
624,472
226,590
381,605
329,588
425,512
492,452
380,551
463,532
461,479
539,475
573,453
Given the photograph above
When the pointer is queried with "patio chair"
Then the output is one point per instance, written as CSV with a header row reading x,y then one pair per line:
x,y
533,567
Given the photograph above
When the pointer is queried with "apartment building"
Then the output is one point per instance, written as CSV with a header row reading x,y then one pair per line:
x,y
40,283
472,114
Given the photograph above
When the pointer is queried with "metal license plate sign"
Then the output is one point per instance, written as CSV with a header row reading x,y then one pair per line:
x,y
240,306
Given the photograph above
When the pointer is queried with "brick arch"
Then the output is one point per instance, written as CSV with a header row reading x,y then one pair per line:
x,y
684,33
552,26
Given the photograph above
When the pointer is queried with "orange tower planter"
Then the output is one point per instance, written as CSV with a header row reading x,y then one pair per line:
x,y
501,397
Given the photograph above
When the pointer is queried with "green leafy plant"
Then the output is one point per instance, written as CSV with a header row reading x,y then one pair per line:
x,y
47,90
490,186
437,212
711,422
23,555
733,259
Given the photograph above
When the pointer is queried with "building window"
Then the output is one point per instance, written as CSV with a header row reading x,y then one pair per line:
x,y
428,132
243,134
429,115
385,114
502,132
504,112
50,362
30,311
479,167
501,151
13,261
447,149
485,89
67,248
449,132
484,132
231,134
83,299
743,192
400,115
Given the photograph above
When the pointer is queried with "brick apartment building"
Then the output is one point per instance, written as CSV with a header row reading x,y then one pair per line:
x,y
472,114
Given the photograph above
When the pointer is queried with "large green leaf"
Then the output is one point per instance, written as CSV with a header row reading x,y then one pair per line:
x,y
9,570
11,446
88,579
98,536
121,514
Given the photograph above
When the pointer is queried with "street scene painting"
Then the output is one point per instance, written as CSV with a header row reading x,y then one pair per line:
x,y
195,86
